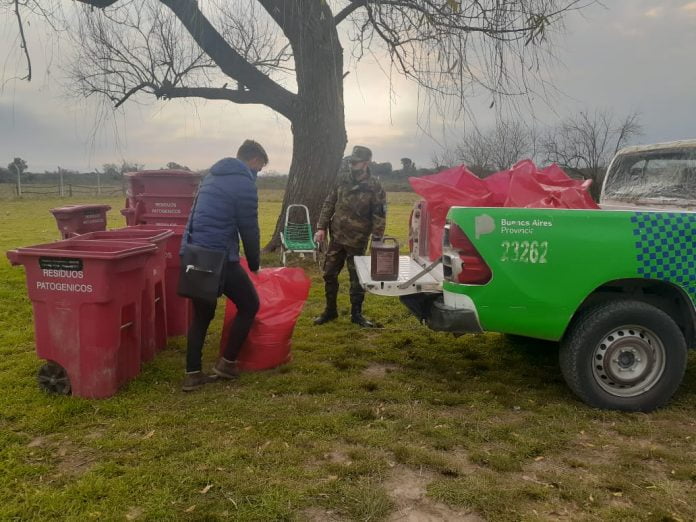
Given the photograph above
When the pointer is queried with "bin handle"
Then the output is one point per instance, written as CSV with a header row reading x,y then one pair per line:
x,y
13,257
385,239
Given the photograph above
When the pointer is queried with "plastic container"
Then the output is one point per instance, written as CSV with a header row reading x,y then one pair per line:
x,y
87,298
384,260
79,219
154,333
160,197
165,182
179,310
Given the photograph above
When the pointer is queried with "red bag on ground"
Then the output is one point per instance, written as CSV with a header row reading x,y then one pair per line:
x,y
282,294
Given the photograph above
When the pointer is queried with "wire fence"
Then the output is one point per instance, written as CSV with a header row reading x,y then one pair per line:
x,y
67,190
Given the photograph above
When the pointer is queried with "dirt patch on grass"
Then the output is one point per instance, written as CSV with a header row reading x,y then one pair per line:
x,y
134,513
38,442
320,515
408,489
67,458
337,457
379,370
94,435
72,460
461,462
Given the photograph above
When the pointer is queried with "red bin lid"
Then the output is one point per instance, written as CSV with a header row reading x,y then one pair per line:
x,y
88,249
79,209
126,234
164,173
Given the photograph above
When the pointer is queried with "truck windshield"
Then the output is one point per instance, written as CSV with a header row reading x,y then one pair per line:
x,y
654,174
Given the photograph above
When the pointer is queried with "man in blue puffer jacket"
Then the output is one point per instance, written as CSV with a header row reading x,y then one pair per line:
x,y
226,210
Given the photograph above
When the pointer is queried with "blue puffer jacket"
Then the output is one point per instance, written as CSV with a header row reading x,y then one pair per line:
x,y
227,209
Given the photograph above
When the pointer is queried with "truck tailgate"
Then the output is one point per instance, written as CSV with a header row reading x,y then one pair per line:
x,y
408,268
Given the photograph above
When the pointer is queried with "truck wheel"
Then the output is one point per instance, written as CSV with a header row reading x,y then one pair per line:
x,y
624,355
53,378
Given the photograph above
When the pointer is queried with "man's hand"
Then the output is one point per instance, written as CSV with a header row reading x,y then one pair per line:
x,y
319,236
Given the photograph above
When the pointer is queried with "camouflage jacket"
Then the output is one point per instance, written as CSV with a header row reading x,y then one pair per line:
x,y
354,211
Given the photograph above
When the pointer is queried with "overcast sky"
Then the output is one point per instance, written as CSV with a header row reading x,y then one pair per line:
x,y
631,55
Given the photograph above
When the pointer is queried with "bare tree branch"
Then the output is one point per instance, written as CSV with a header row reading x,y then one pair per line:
x,y
585,143
209,93
497,149
215,48
449,48
131,92
347,10
23,41
228,60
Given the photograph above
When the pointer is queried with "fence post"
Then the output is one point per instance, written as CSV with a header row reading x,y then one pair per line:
x,y
70,190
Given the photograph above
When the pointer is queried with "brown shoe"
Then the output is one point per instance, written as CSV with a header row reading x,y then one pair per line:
x,y
195,380
226,369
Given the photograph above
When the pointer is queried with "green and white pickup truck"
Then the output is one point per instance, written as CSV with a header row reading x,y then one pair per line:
x,y
616,287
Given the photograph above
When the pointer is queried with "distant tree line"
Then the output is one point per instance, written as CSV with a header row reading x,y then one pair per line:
x,y
109,173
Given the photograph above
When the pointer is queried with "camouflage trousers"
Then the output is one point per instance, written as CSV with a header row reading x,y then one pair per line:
x,y
336,256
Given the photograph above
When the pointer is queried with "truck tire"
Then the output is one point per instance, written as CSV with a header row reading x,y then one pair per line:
x,y
624,355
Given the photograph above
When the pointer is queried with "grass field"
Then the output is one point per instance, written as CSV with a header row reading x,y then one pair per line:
x,y
394,424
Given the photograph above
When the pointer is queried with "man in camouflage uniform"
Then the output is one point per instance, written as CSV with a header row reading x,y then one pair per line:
x,y
353,211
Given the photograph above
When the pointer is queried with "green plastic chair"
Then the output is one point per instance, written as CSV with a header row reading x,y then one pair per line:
x,y
297,238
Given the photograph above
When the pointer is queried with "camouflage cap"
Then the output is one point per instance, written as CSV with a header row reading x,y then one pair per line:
x,y
360,153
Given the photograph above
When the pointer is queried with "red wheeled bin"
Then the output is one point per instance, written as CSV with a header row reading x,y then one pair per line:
x,y
160,197
154,324
87,298
79,219
179,309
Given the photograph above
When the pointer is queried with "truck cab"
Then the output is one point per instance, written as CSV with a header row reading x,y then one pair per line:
x,y
660,176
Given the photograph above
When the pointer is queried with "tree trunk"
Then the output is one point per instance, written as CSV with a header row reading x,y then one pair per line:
x,y
597,176
318,128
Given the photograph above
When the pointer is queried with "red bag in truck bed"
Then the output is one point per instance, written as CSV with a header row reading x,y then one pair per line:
x,y
523,185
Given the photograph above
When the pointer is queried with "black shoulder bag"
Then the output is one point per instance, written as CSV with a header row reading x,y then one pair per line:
x,y
201,271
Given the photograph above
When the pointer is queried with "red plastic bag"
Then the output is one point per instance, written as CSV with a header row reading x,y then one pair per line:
x,y
457,186
546,188
282,294
523,185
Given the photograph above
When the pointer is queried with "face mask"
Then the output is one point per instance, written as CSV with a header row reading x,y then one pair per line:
x,y
356,171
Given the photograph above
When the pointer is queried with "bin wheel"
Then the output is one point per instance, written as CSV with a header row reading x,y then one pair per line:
x,y
53,378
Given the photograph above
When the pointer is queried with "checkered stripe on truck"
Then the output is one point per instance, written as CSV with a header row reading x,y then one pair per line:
x,y
665,248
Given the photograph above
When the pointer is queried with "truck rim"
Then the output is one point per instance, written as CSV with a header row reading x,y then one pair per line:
x,y
628,361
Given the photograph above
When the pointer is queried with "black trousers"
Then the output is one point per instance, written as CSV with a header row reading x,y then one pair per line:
x,y
240,290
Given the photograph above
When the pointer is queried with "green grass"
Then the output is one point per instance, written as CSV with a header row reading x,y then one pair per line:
x,y
475,423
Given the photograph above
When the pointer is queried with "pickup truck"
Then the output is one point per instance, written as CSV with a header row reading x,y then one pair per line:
x,y
615,286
